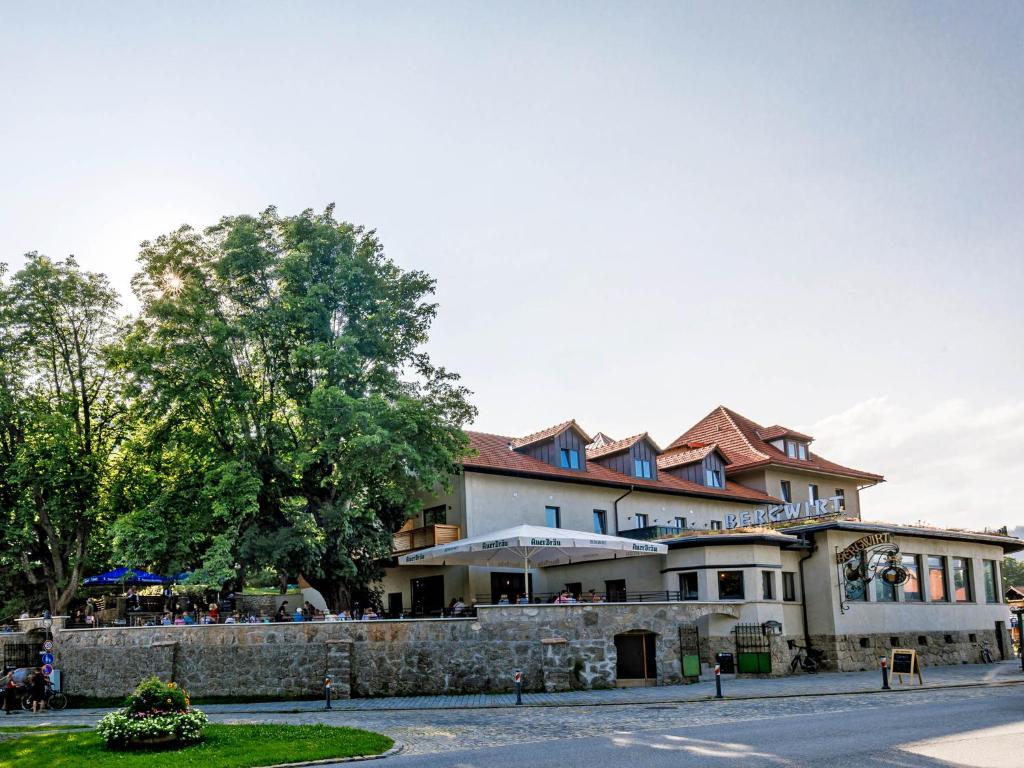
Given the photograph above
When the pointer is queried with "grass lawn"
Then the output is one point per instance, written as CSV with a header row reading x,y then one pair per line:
x,y
224,746
30,728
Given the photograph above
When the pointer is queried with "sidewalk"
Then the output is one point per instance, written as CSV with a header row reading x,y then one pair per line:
x,y
826,683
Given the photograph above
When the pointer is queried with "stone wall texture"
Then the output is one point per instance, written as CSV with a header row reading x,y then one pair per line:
x,y
557,647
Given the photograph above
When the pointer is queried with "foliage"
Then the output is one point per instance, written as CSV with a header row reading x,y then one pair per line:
x,y
154,710
59,424
223,746
1013,572
291,419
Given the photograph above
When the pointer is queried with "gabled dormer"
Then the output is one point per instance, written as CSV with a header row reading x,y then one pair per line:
x,y
563,445
790,442
636,456
698,462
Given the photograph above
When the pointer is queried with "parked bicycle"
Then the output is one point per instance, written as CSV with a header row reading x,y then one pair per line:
x,y
807,659
54,700
986,653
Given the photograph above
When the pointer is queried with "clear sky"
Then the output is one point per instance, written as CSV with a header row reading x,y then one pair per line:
x,y
809,212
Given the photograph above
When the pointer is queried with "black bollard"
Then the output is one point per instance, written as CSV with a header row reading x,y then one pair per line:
x,y
518,678
718,681
327,692
885,674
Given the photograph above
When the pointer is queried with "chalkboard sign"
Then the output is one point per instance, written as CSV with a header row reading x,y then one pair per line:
x,y
905,662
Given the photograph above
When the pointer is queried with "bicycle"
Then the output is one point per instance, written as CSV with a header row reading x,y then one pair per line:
x,y
806,659
54,700
986,653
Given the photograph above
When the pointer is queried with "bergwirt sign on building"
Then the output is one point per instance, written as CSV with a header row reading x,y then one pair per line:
x,y
782,513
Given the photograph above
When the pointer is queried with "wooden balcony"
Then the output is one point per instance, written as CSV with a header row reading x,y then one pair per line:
x,y
420,538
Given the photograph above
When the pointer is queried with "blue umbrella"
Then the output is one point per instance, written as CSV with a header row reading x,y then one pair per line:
x,y
131,576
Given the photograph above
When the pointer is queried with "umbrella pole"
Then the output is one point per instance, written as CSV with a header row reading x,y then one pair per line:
x,y
526,576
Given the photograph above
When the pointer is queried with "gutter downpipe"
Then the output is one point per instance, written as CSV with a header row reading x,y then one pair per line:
x,y
803,589
615,512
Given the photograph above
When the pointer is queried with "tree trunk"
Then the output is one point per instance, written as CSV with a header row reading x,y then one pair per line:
x,y
335,592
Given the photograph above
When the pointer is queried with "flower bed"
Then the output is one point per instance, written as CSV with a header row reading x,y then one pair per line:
x,y
157,715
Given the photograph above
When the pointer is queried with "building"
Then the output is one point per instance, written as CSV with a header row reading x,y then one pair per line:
x,y
766,533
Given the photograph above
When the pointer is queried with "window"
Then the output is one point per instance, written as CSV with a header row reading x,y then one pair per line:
x,y
716,525
600,521
841,500
642,468
615,590
730,585
688,586
937,579
785,492
789,586
912,586
962,591
553,517
991,582
641,520
575,588
570,458
812,492
680,522
884,593
791,449
713,478
801,450
768,585
435,515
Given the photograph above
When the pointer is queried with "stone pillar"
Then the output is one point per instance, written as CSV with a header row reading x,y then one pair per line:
x,y
339,668
555,664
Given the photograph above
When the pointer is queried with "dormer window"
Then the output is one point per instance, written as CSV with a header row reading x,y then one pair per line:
x,y
642,468
570,458
796,450
713,478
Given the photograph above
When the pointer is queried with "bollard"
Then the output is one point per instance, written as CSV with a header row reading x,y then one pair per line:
x,y
518,679
718,681
327,692
885,673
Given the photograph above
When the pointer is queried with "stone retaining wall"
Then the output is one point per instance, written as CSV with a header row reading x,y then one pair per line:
x,y
851,653
557,647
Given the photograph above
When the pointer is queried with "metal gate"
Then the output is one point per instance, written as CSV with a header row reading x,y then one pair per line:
x,y
689,649
21,655
753,650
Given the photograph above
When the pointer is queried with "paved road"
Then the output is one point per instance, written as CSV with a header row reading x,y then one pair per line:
x,y
975,728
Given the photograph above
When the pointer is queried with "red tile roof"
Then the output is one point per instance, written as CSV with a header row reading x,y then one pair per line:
x,y
777,430
743,444
620,445
686,455
492,454
544,434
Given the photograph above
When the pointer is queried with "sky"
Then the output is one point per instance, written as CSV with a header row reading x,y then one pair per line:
x,y
809,212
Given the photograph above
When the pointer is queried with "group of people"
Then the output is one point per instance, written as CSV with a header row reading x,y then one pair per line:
x,y
34,687
563,597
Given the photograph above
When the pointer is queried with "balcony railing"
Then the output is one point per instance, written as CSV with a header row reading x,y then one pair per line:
x,y
652,532
421,538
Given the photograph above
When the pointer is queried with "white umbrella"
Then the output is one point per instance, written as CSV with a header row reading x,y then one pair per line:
x,y
526,544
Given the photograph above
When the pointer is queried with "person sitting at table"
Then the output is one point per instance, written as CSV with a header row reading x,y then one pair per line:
x,y
166,619
214,614
298,617
458,607
503,600
188,619
132,600
179,620
370,614
563,597
522,600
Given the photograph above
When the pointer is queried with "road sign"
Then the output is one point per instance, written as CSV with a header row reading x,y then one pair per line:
x,y
47,669
48,645
47,658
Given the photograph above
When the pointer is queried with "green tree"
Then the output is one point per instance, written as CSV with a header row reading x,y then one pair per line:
x,y
1013,572
58,419
287,353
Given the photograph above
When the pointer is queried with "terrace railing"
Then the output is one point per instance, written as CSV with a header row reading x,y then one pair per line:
x,y
421,538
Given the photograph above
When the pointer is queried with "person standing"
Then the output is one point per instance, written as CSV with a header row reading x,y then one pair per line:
x,y
9,691
37,691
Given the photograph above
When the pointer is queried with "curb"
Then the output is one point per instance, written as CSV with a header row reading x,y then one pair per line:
x,y
395,749
632,703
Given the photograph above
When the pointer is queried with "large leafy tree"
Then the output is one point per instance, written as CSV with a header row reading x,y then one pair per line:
x,y
58,420
278,365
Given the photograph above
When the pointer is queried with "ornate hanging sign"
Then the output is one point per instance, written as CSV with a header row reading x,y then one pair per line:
x,y
869,557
